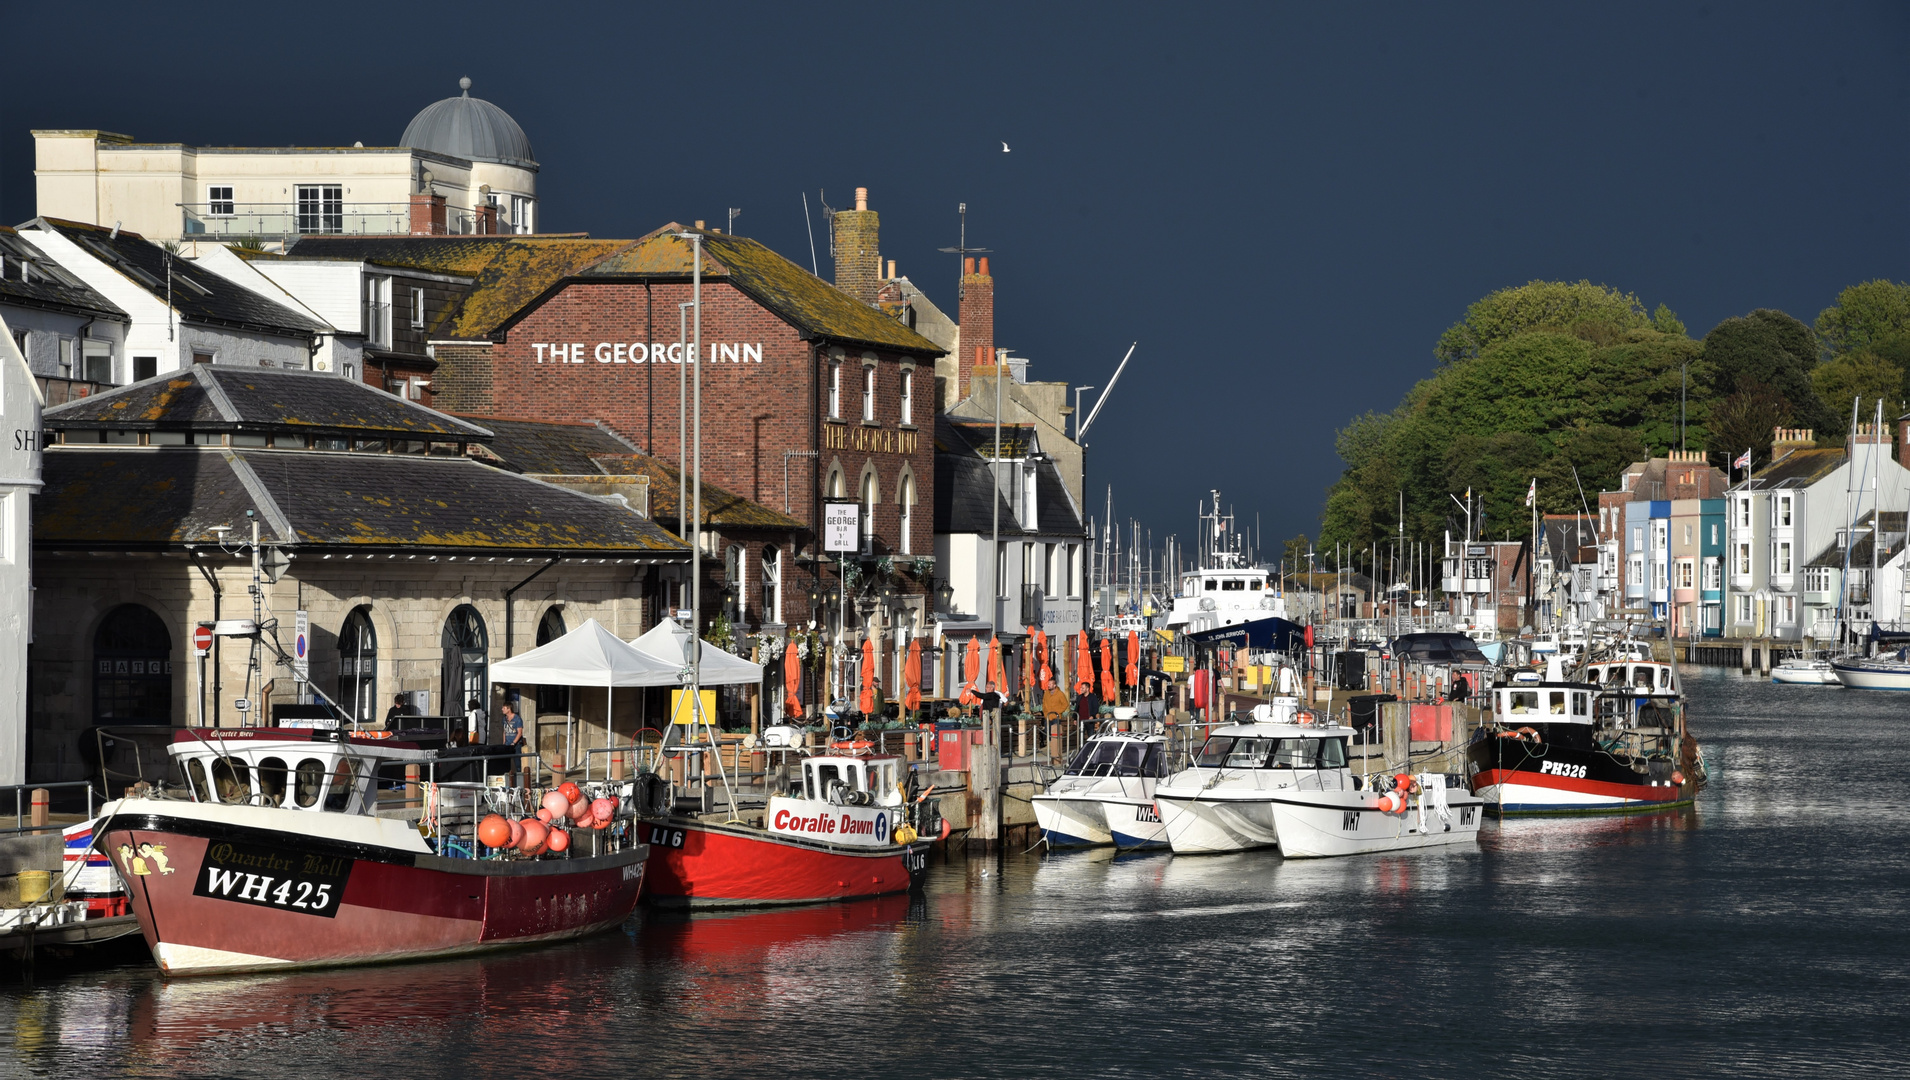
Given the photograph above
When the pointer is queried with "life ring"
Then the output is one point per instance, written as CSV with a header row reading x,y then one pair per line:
x,y
1511,735
1305,717
1529,734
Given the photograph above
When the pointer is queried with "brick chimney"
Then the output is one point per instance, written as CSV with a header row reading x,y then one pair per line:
x,y
427,214
858,252
1865,435
1785,440
977,315
486,224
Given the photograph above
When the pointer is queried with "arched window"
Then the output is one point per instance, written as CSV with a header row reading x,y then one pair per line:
x,y
132,668
549,629
905,506
871,494
772,594
358,666
833,487
466,662
734,582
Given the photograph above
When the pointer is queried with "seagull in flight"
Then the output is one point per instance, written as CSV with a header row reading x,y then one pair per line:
x,y
1004,148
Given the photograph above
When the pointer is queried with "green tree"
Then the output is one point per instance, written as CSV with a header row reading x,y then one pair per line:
x,y
1858,376
1864,316
1294,554
1744,421
1580,307
1665,322
1588,460
1771,350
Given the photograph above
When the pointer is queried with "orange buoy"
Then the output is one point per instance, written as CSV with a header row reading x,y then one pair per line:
x,y
599,823
517,832
536,833
494,831
544,815
557,803
559,840
1678,778
603,809
570,791
578,810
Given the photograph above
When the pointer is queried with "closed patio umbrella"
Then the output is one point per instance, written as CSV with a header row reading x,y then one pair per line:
x,y
792,680
1041,650
972,668
997,681
1083,665
1110,693
912,675
1133,658
1028,669
867,701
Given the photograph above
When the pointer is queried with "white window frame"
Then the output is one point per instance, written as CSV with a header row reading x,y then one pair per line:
x,y
1744,512
417,308
1746,612
1074,571
1687,576
868,393
1713,573
1744,558
327,218
1781,558
219,201
1051,580
905,507
772,584
835,389
1781,511
908,398
523,214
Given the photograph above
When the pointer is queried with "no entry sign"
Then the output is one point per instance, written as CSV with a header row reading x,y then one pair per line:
x,y
202,639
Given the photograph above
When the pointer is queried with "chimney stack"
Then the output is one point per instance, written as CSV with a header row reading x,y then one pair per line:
x,y
858,255
1785,440
977,316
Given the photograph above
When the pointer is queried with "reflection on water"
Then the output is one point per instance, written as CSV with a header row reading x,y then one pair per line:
x,y
1758,933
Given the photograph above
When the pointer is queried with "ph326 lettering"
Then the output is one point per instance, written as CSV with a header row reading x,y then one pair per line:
x,y
1560,768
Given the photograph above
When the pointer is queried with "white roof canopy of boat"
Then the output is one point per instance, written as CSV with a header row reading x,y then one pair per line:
x,y
666,642
588,656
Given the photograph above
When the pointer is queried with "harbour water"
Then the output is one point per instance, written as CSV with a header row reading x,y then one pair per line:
x,y
1760,933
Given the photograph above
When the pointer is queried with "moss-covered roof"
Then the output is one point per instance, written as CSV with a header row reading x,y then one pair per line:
x,y
548,447
231,398
720,507
805,301
1799,468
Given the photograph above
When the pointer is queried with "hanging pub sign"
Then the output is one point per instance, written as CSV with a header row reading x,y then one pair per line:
x,y
841,526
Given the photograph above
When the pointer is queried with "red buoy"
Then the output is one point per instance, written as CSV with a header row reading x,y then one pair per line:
x,y
517,832
570,791
557,803
535,835
559,840
494,831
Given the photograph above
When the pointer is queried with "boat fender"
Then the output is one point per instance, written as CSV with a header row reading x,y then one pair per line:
x,y
1678,778
946,829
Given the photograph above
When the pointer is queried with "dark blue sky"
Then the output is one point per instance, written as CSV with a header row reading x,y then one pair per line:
x,y
1284,205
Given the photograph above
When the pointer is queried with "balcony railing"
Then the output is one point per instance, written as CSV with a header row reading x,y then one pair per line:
x,y
277,221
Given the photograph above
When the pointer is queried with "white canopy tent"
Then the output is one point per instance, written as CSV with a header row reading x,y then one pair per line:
x,y
667,642
589,656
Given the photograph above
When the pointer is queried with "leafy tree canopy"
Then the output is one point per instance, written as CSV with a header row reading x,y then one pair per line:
x,y
1864,316
1582,308
1862,377
1771,350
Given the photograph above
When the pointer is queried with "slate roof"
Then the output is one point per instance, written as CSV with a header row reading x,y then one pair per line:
x,y
152,498
964,489
549,447
199,295
1799,468
800,298
1860,552
231,398
720,507
29,279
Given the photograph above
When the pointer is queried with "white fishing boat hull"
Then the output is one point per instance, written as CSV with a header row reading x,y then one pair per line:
x,y
1072,820
1211,822
1872,674
1328,824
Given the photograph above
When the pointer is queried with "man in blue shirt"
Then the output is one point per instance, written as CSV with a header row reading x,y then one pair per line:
x,y
513,737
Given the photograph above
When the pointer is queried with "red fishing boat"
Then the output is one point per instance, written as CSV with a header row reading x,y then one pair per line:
x,y
846,829
276,856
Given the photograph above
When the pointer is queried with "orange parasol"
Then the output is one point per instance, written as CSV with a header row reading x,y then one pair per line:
x,y
792,680
972,668
1083,665
1041,648
996,680
912,675
868,676
1109,692
1028,665
1133,658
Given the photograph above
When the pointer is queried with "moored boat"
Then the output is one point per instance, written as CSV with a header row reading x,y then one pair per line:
x,y
845,829
274,857
1577,748
1106,795
1804,671
1888,672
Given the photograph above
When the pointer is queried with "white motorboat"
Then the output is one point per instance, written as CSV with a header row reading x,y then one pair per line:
x,y
1802,671
1889,672
1224,802
1333,812
1224,588
1106,796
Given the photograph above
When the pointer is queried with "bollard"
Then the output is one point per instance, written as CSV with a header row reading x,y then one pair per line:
x,y
676,769
41,797
616,766
1021,737
411,786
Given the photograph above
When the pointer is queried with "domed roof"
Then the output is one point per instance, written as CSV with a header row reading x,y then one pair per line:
x,y
470,128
